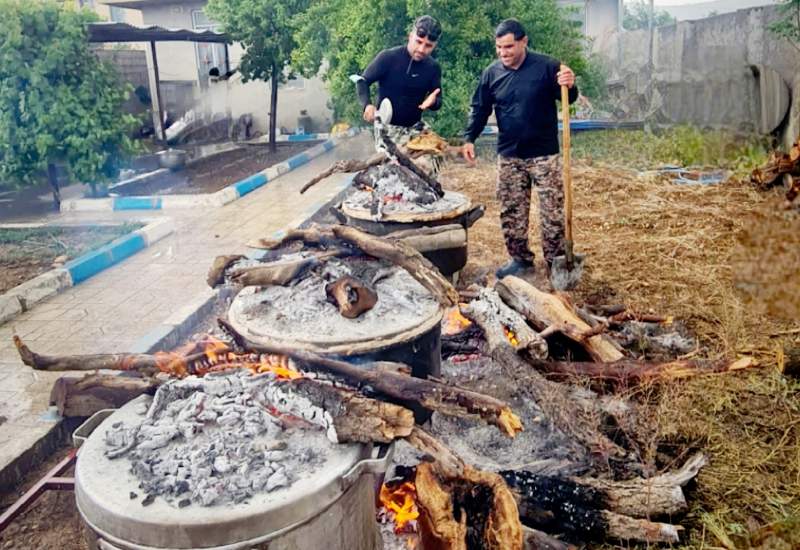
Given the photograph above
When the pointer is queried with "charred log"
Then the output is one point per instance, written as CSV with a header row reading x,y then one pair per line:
x,y
502,325
216,275
404,389
345,166
621,374
404,160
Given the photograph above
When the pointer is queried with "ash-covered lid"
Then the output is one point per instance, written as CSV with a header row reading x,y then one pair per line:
x,y
300,316
360,205
115,495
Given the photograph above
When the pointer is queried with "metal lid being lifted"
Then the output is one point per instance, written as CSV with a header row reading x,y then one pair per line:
x,y
103,490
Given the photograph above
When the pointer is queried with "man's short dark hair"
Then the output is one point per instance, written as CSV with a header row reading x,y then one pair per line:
x,y
427,26
510,26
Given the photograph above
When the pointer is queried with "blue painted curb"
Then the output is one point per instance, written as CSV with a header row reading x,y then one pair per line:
x,y
137,203
92,263
250,184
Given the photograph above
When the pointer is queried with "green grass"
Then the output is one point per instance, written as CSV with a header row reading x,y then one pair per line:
x,y
680,145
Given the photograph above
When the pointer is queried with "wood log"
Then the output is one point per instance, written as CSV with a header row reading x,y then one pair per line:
x,y
404,256
397,253
275,273
356,419
428,394
460,506
502,325
404,160
351,296
82,397
545,310
216,275
552,497
139,362
171,363
626,373
352,165
426,239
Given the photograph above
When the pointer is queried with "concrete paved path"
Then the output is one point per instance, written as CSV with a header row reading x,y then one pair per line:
x,y
113,310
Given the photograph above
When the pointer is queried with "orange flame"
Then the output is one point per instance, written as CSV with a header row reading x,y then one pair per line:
x,y
454,322
512,337
214,355
401,501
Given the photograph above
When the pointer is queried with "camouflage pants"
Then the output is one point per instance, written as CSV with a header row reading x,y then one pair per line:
x,y
402,134
514,180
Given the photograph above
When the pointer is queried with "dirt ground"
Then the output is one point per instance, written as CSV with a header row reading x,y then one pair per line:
x,y
51,523
26,253
214,173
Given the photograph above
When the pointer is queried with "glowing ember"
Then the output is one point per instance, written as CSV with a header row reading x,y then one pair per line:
x,y
454,322
214,355
400,503
512,337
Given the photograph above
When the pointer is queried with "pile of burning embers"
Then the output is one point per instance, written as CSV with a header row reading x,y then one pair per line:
x,y
522,439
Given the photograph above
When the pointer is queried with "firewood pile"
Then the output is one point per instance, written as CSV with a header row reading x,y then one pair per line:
x,y
516,454
781,168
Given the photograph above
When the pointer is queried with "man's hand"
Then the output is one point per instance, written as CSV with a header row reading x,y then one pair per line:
x,y
369,113
566,77
468,152
430,100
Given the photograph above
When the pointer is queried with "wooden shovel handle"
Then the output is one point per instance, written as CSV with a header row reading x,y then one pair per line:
x,y
566,163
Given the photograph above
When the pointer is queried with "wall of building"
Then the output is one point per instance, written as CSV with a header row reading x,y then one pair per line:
x,y
132,68
724,71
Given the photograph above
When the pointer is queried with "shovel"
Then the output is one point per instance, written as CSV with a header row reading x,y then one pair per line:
x,y
566,270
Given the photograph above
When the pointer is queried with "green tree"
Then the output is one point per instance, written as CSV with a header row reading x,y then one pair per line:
x,y
636,16
266,30
58,102
347,34
789,26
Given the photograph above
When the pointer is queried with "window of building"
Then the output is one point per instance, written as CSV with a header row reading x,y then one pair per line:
x,y
117,14
209,55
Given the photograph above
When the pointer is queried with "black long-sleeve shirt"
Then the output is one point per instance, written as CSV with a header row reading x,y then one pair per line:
x,y
404,81
524,102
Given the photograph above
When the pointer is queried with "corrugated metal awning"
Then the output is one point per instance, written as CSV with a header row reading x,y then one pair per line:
x,y
123,32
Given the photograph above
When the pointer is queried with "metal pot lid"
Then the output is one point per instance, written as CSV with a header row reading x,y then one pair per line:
x,y
299,316
358,205
103,487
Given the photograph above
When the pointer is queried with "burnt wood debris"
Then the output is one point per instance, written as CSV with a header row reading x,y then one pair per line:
x,y
551,375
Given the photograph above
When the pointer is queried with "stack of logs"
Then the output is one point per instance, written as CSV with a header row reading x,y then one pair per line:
x,y
461,506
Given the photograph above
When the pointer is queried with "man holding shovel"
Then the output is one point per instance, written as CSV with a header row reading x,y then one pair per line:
x,y
522,87
410,78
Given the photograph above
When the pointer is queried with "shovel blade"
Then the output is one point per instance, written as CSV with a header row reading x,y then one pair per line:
x,y
562,277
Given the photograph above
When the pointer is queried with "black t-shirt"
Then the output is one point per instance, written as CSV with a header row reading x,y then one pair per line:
x,y
524,102
404,81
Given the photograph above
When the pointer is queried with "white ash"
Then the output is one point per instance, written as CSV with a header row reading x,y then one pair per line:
x,y
540,447
303,313
363,200
211,441
655,338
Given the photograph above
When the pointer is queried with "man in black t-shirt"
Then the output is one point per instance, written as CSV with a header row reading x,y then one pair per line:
x,y
409,77
522,87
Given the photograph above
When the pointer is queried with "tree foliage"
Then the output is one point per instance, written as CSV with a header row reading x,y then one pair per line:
x,y
349,33
58,101
636,16
788,26
266,30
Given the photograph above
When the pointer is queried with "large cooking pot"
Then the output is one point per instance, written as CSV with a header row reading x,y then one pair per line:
x,y
333,508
